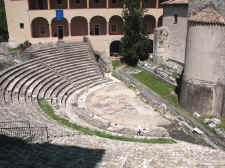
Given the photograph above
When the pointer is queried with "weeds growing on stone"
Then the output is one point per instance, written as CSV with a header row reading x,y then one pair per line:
x,y
49,110
116,64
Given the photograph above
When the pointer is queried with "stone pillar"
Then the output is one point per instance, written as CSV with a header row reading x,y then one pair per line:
x,y
156,23
107,28
49,5
88,3
68,4
160,45
107,3
203,81
157,4
69,29
50,30
141,4
89,29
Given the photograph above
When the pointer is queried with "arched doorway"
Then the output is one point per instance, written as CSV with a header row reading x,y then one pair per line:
x,y
115,48
60,28
79,26
115,25
149,23
98,25
40,27
160,21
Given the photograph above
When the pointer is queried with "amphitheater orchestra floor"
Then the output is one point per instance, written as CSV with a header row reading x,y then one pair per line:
x,y
120,105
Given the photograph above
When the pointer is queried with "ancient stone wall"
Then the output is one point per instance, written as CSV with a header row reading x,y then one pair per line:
x,y
177,30
204,83
170,40
160,45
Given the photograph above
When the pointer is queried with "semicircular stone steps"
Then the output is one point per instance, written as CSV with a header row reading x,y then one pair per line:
x,y
54,73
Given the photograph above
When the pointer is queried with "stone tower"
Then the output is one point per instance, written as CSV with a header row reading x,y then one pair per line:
x,y
203,85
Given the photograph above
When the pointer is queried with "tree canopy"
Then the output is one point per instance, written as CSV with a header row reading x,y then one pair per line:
x,y
135,42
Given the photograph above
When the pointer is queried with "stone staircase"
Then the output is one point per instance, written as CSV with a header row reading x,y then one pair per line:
x,y
53,73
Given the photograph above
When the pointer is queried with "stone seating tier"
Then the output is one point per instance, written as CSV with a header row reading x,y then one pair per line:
x,y
54,73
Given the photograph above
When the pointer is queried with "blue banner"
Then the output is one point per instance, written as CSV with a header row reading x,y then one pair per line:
x,y
59,14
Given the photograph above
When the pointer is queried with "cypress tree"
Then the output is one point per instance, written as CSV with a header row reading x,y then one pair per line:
x,y
135,42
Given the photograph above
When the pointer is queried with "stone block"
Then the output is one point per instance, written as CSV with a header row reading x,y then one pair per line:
x,y
196,115
198,131
206,121
220,132
212,125
215,121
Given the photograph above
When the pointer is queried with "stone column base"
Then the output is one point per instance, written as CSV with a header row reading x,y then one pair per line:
x,y
201,98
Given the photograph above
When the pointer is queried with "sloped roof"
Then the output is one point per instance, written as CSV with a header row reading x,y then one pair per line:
x,y
175,2
209,15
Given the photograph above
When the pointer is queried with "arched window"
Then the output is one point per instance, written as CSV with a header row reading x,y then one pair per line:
x,y
115,25
98,25
40,27
79,26
149,23
115,48
60,28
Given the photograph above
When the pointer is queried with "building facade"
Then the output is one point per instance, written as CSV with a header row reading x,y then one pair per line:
x,y
99,20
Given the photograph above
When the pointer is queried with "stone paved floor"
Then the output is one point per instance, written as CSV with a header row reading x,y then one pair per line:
x,y
119,154
120,105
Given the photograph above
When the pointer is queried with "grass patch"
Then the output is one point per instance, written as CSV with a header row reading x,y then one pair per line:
x,y
164,90
201,121
14,49
116,64
48,109
157,85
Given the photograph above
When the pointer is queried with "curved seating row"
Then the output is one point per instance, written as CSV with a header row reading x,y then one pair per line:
x,y
54,73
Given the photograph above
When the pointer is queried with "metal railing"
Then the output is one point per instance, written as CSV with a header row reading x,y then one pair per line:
x,y
23,130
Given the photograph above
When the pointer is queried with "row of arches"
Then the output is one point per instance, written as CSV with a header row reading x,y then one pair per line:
x,y
79,26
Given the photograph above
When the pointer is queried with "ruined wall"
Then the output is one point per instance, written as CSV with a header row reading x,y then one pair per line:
x,y
177,31
160,45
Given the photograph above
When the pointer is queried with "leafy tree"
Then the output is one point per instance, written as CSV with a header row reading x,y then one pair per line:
x,y
3,23
135,42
